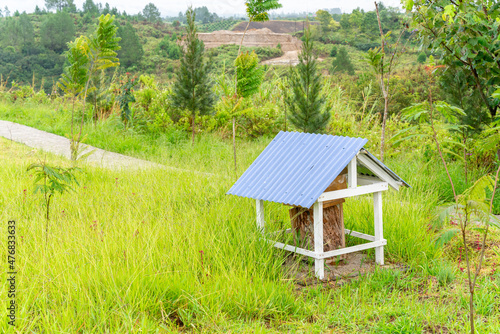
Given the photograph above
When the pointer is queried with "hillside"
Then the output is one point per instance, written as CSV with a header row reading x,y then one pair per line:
x,y
281,27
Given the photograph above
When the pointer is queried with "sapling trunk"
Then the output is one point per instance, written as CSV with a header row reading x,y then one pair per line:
x,y
192,129
47,220
384,85
234,147
384,89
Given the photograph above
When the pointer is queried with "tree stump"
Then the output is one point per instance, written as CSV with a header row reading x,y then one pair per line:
x,y
333,221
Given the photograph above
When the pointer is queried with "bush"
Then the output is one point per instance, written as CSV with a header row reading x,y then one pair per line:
x,y
422,57
333,51
169,49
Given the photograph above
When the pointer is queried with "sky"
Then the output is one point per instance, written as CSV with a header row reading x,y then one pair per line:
x,y
221,7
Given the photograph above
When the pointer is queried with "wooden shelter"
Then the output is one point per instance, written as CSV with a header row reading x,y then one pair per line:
x,y
309,173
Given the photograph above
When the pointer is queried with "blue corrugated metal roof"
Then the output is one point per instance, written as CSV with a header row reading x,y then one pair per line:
x,y
384,167
296,168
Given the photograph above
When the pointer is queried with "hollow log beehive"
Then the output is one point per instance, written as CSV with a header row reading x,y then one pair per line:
x,y
333,220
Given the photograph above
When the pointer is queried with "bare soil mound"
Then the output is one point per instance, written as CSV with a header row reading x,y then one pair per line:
x,y
253,38
281,27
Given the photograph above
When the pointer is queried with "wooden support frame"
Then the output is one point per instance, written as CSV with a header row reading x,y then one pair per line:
x,y
375,169
319,264
352,173
344,193
259,205
379,226
377,241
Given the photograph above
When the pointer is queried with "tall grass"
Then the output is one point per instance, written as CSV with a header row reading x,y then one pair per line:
x,y
158,250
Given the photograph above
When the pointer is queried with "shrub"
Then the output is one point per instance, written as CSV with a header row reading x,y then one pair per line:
x,y
333,51
422,57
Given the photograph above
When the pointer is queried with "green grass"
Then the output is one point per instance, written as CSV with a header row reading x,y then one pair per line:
x,y
124,250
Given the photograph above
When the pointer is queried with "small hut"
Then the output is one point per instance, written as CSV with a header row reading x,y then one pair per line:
x,y
314,174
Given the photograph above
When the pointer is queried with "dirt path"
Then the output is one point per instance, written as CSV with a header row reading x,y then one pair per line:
x,y
60,145
288,58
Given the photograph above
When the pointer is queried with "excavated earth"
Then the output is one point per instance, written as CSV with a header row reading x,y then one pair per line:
x,y
253,38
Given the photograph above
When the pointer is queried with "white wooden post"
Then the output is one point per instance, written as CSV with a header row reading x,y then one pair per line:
x,y
379,230
352,174
259,204
319,264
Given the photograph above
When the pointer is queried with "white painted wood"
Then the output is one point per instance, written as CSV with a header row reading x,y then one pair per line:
x,y
379,230
294,249
360,235
343,193
329,254
375,169
319,265
259,204
352,173
288,230
352,249
365,180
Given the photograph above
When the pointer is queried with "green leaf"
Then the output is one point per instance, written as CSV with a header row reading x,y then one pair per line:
x,y
409,5
446,237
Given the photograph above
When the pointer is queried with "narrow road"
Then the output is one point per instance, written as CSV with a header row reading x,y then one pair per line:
x,y
60,145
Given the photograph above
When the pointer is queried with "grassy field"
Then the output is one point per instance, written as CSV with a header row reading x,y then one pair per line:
x,y
159,251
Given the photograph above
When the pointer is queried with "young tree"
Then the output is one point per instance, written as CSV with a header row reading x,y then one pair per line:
x,y
57,30
467,34
131,51
249,78
342,62
151,13
257,10
86,57
473,203
192,88
308,111
49,181
383,69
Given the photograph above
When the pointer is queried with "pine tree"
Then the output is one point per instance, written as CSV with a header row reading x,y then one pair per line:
x,y
306,105
342,62
131,48
57,30
151,13
192,87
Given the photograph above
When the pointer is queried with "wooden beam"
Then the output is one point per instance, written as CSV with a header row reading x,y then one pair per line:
x,y
293,249
352,173
352,249
377,187
319,265
329,254
365,180
259,204
375,169
360,235
379,231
